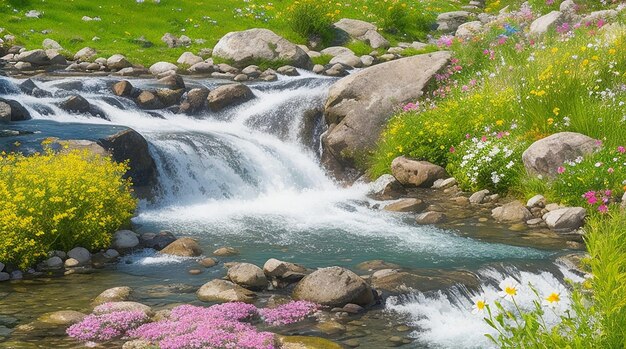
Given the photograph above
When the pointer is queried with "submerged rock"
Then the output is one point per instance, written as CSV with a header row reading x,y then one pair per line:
x,y
183,247
226,251
224,291
407,205
334,286
11,110
430,218
62,317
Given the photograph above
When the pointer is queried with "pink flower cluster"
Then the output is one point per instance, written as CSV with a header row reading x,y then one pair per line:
x,y
599,198
227,325
106,326
411,106
288,313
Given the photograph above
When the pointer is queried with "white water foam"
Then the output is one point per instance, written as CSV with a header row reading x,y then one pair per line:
x,y
445,318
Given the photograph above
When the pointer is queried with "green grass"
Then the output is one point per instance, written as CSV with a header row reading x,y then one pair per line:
x,y
123,21
542,6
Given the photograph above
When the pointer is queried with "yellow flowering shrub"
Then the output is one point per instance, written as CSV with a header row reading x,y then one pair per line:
x,y
57,201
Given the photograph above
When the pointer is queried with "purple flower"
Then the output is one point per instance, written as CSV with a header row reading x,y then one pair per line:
x,y
288,313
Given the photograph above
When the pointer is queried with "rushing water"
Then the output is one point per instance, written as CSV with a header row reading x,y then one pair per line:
x,y
250,177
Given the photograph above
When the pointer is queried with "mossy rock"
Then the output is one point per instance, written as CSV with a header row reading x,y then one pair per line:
x,y
305,342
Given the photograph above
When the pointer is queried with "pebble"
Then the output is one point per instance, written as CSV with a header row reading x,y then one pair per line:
x,y
352,343
195,271
403,328
208,262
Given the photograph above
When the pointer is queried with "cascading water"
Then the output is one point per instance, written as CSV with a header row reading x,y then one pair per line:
x,y
250,177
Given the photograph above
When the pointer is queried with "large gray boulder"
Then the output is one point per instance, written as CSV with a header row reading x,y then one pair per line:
x,y
117,62
229,96
130,145
449,22
224,291
124,239
513,212
246,47
566,219
359,106
362,31
411,172
11,110
36,57
335,287
546,155
277,269
162,67
247,275
544,23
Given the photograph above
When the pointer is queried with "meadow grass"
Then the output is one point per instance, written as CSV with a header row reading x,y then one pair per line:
x,y
124,21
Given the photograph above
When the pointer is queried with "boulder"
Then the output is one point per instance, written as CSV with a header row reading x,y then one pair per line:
x,y
56,58
600,15
49,44
111,307
444,183
544,23
115,294
430,217
362,31
36,57
358,106
536,201
546,155
30,88
117,62
172,81
245,47
225,252
148,100
162,67
130,145
201,68
335,287
169,97
478,197
566,219
11,110
288,70
387,187
80,254
124,239
122,88
76,104
416,173
275,268
449,22
183,247
189,59
406,205
195,101
349,60
224,291
170,40
54,262
62,317
469,29
228,96
513,212
85,54
247,275
157,241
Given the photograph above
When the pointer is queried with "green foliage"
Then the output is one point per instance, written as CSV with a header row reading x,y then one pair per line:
x,y
606,243
57,201
323,59
311,18
543,6
393,16
601,171
492,162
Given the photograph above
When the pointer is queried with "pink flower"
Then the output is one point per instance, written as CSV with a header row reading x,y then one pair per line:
x,y
483,138
560,170
468,136
452,149
603,208
458,68
592,200
610,170
621,149
598,142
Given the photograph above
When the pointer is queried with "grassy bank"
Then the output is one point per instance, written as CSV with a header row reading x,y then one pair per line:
x,y
122,22
505,90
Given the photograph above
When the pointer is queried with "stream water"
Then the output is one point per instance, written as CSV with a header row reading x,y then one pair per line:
x,y
249,177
